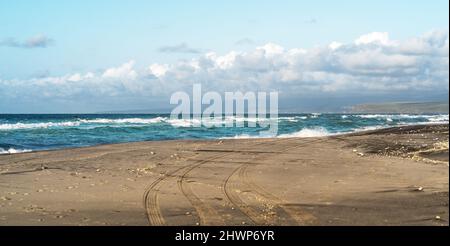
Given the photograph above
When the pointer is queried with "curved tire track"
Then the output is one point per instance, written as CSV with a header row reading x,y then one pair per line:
x,y
150,196
151,201
205,211
276,204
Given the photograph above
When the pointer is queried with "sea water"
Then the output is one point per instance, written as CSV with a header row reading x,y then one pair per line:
x,y
24,133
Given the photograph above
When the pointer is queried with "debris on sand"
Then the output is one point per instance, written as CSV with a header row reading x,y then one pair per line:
x,y
420,188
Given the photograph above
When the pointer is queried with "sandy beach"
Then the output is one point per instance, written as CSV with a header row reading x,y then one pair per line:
x,y
396,176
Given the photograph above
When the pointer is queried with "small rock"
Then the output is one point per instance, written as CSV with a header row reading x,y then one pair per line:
x,y
5,198
361,154
437,217
197,224
152,153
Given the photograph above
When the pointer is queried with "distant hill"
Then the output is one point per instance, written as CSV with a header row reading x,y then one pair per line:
x,y
402,107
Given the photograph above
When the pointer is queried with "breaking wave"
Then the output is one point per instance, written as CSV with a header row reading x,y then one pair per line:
x,y
441,118
13,151
307,133
18,126
137,121
124,121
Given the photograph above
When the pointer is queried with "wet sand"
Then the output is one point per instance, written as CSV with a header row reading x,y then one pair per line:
x,y
396,176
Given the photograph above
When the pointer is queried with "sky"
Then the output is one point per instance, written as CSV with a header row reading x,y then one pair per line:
x,y
106,55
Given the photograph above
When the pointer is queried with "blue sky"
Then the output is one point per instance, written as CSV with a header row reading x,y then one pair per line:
x,y
48,39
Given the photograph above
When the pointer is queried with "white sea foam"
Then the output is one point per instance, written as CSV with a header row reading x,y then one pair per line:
x,y
311,132
307,133
19,125
432,118
184,122
219,121
292,118
439,118
245,136
124,121
13,151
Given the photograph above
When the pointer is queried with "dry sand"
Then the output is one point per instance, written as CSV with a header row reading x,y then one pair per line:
x,y
394,176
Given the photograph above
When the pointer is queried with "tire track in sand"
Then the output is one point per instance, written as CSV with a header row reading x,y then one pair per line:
x,y
151,193
274,205
205,211
151,197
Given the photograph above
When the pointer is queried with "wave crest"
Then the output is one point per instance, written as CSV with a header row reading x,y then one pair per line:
x,y
307,133
18,126
13,151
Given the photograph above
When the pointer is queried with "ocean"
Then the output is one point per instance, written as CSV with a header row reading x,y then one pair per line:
x,y
24,133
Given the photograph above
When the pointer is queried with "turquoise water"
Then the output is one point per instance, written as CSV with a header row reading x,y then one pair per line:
x,y
21,133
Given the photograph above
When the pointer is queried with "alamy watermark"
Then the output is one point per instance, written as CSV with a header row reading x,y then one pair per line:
x,y
235,109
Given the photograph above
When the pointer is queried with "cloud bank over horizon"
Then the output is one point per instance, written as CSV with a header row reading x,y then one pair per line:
x,y
373,65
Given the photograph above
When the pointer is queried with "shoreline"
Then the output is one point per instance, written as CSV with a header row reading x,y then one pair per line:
x,y
354,132
377,177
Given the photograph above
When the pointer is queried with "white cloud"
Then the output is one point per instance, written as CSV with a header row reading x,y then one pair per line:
x,y
158,70
334,45
374,38
372,64
125,71
75,77
271,49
